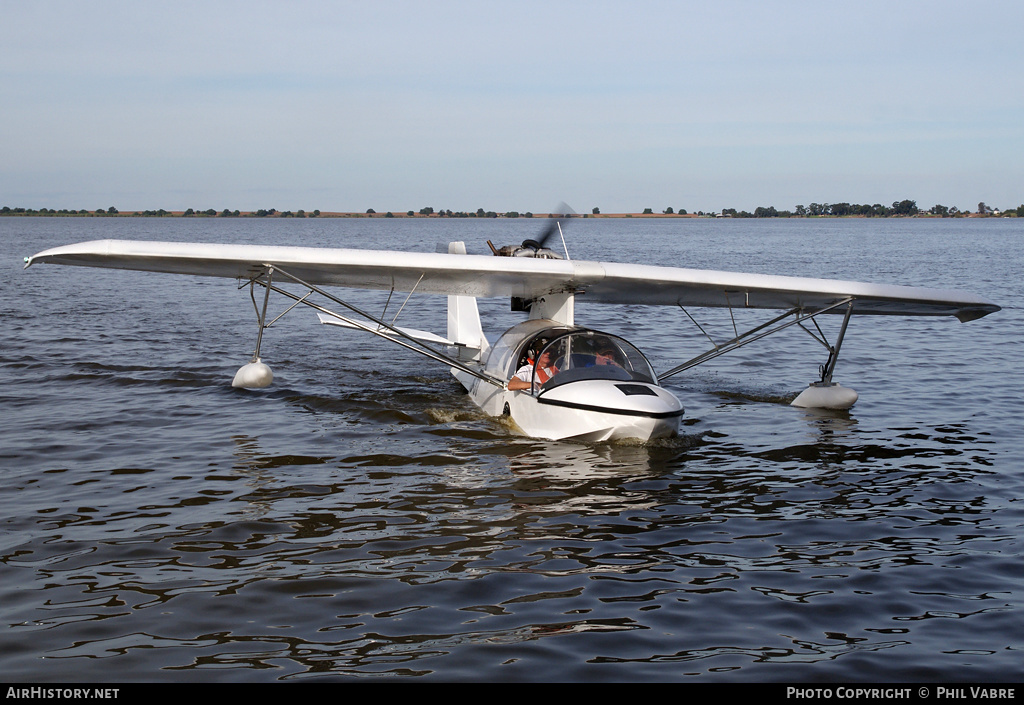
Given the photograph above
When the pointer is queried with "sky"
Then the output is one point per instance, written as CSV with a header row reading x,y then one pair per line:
x,y
345,106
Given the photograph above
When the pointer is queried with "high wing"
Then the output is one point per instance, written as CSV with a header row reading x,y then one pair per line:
x,y
522,277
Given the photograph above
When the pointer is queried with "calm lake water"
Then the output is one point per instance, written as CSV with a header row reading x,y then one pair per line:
x,y
362,519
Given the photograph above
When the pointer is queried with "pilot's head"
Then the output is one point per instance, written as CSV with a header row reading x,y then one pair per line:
x,y
534,350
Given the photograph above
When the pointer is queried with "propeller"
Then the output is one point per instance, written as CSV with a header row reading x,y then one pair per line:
x,y
558,215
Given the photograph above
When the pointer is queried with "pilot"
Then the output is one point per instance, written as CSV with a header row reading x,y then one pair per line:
x,y
545,371
607,356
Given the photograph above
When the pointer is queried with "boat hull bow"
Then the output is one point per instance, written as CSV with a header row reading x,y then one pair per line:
x,y
598,410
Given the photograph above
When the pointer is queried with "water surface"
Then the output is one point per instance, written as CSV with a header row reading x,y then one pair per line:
x,y
361,518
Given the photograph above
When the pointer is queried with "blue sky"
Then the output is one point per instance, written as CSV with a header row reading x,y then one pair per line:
x,y
510,106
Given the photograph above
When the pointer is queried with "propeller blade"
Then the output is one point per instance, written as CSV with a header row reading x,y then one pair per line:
x,y
557,216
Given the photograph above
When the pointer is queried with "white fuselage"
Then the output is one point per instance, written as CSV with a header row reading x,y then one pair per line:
x,y
583,402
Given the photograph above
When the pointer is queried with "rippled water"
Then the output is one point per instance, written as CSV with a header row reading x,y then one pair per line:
x,y
361,519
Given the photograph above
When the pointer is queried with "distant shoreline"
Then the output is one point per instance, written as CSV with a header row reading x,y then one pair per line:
x,y
30,213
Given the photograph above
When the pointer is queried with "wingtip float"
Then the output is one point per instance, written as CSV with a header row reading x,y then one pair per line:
x,y
556,379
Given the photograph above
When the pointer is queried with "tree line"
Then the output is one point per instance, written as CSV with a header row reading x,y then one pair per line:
x,y
188,213
260,213
904,208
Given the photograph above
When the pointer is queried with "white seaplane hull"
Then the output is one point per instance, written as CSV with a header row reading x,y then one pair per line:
x,y
597,405
589,411
541,420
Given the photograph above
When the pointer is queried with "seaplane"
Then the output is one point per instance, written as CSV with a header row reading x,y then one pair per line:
x,y
555,379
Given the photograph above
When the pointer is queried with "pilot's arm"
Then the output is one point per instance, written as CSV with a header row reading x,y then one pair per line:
x,y
516,384
521,379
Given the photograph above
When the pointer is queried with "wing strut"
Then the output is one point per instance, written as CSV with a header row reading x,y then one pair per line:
x,y
749,336
389,332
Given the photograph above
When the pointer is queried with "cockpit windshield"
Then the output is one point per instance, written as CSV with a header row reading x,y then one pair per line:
x,y
588,354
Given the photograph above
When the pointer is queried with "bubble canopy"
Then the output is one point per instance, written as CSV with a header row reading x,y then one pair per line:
x,y
588,354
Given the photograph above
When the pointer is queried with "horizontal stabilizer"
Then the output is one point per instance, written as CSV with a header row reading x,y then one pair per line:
x,y
420,335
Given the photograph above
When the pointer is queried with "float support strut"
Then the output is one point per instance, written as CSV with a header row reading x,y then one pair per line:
x,y
833,353
263,315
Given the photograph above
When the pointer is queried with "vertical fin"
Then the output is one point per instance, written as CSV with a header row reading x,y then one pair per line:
x,y
464,319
